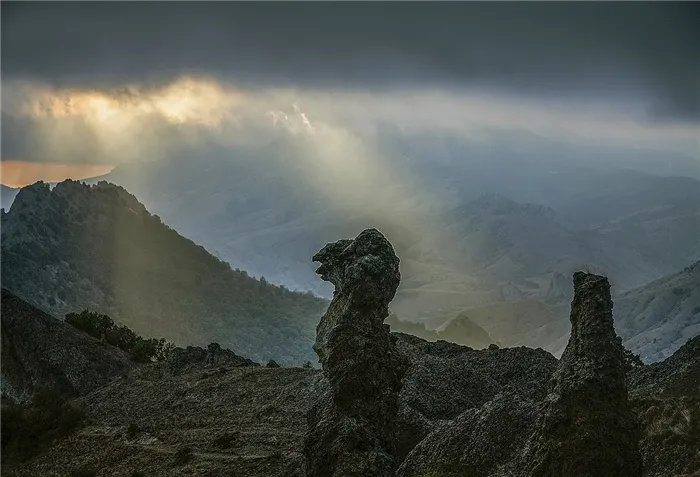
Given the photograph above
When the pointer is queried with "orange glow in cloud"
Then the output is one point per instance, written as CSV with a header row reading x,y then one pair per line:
x,y
15,173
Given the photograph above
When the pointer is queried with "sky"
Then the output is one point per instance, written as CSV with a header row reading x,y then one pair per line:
x,y
89,86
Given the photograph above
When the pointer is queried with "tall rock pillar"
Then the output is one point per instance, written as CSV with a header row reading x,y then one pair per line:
x,y
586,428
352,428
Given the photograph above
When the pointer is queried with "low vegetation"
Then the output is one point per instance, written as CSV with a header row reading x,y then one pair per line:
x,y
103,327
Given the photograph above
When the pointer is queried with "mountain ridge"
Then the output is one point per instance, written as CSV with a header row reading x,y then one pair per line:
x,y
78,246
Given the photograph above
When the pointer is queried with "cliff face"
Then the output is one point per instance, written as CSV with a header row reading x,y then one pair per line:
x,y
40,352
352,429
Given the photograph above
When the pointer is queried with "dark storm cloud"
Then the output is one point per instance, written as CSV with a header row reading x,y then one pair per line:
x,y
553,49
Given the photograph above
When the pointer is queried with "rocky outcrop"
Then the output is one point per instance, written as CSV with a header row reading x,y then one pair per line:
x,y
586,426
42,353
183,359
445,380
666,400
465,411
352,428
483,441
583,425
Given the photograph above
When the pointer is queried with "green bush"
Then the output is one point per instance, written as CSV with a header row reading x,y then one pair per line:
x,y
100,326
94,324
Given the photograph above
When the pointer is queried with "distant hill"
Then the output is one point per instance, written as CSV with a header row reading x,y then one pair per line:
x,y
97,247
530,323
458,330
42,353
656,319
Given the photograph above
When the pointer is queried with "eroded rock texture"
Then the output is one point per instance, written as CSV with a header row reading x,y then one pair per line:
x,y
444,380
583,426
183,359
41,353
352,428
586,426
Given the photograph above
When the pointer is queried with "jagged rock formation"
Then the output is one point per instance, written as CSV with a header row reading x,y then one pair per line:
x,y
466,411
182,359
352,428
483,441
40,352
444,380
583,426
250,420
586,426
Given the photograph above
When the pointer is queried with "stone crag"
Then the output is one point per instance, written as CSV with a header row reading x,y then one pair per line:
x,y
352,428
586,426
582,426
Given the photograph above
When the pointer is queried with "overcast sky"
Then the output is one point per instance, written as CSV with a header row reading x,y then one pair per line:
x,y
91,71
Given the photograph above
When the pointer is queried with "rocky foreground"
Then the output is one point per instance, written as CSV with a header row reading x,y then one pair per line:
x,y
454,411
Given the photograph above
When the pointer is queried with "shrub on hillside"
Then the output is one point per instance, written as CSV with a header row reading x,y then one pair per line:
x,y
94,324
100,326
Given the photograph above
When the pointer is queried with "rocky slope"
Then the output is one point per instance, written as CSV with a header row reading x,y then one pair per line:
x,y
41,353
97,247
665,398
251,421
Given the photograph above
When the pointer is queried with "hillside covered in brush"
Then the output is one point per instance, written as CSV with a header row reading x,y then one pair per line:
x,y
78,247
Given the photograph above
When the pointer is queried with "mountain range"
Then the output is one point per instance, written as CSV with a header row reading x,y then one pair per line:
x,y
475,224
497,247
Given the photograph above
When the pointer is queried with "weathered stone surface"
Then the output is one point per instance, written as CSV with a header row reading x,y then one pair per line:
x,y
182,359
352,427
40,352
586,426
481,442
447,382
583,425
